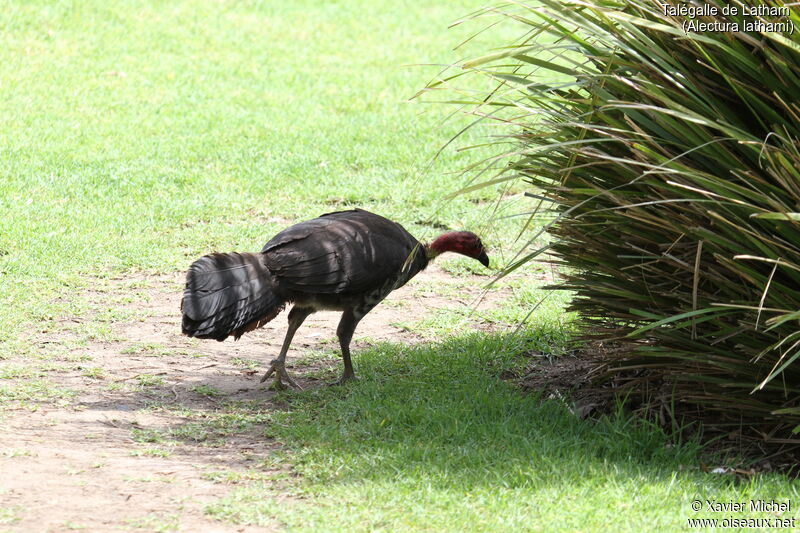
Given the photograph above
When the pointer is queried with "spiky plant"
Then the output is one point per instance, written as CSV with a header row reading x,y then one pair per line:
x,y
672,162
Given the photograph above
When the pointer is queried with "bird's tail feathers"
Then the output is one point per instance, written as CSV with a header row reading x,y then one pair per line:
x,y
228,294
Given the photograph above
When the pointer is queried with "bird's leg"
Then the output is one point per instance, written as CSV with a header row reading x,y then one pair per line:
x,y
277,366
347,326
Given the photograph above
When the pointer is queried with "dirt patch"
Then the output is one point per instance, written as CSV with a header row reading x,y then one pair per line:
x,y
568,378
597,380
145,443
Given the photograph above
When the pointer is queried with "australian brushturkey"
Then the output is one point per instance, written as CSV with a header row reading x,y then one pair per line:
x,y
346,261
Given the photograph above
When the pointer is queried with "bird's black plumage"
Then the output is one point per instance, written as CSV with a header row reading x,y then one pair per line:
x,y
335,261
347,261
347,253
227,292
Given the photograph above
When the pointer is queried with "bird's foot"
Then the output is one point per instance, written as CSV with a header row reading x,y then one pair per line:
x,y
344,379
278,368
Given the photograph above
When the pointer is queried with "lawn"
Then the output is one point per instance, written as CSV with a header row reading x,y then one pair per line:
x,y
138,136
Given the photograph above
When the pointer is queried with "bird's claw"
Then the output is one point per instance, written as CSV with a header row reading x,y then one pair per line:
x,y
344,379
278,368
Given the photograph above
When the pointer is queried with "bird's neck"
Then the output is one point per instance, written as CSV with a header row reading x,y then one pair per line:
x,y
432,253
447,242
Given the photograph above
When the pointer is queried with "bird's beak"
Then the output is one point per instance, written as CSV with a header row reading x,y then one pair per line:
x,y
483,258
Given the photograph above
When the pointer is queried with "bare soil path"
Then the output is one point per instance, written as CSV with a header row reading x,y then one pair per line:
x,y
142,444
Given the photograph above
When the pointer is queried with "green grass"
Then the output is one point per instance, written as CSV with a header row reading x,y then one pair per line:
x,y
94,372
8,515
430,439
209,428
157,523
206,390
28,393
523,302
247,364
148,380
139,135
151,452
168,131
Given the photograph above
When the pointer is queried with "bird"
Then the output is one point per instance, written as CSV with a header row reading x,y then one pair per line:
x,y
346,261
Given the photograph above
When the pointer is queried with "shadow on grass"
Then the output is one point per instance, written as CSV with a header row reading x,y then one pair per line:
x,y
431,438
441,415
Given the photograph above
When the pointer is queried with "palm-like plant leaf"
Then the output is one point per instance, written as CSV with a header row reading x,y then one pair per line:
x,y
673,164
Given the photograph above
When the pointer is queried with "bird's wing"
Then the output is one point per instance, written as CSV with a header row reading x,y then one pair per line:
x,y
349,252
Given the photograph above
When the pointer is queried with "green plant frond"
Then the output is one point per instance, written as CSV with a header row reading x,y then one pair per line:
x,y
643,141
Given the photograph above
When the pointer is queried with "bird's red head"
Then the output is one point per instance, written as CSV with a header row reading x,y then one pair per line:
x,y
461,242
